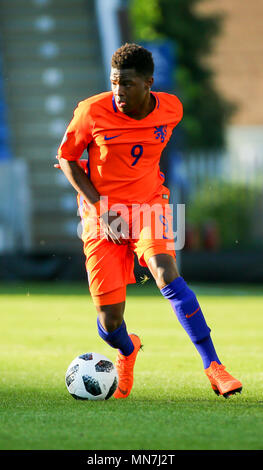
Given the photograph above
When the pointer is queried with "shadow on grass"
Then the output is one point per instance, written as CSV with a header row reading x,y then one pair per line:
x,y
20,398
140,289
79,288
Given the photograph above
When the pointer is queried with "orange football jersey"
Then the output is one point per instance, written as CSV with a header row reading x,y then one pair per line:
x,y
123,153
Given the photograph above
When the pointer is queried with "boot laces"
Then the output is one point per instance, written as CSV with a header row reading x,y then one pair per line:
x,y
123,367
219,371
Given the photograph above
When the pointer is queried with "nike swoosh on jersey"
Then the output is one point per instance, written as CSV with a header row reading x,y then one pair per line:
x,y
113,137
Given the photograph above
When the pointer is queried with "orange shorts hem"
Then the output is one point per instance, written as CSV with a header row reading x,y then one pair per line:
x,y
155,250
115,296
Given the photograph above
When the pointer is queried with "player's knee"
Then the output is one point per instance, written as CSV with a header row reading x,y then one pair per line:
x,y
163,277
110,316
164,270
110,324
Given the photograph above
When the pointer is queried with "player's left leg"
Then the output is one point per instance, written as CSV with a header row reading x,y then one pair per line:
x,y
188,311
184,303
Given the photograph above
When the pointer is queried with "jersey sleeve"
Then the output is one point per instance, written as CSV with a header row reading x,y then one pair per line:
x,y
78,134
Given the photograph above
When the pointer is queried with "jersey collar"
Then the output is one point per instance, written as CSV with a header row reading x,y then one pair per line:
x,y
157,105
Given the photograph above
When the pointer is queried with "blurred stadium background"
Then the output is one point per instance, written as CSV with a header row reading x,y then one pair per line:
x,y
54,53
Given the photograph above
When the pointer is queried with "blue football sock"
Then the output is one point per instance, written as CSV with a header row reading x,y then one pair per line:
x,y
118,339
189,314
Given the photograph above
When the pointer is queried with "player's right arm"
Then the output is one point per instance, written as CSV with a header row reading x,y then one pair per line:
x,y
75,141
79,180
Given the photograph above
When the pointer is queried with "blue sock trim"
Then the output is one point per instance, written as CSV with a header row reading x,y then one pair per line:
x,y
172,290
118,339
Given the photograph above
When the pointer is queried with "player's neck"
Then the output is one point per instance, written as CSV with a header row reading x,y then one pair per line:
x,y
146,108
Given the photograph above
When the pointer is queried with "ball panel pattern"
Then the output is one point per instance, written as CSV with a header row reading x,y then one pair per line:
x,y
104,366
91,385
112,389
71,375
86,357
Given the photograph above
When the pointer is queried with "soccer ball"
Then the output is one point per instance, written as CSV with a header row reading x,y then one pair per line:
x,y
91,376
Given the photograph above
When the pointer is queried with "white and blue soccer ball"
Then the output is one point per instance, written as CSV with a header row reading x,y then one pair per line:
x,y
91,376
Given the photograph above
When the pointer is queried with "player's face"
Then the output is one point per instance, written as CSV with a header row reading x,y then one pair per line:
x,y
131,91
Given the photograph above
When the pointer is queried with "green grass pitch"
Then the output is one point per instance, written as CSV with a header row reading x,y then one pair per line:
x,y
172,406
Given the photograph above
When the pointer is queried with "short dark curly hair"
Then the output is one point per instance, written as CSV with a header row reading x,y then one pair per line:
x,y
133,56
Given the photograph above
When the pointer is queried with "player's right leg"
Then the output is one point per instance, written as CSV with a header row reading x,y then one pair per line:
x,y
110,269
112,329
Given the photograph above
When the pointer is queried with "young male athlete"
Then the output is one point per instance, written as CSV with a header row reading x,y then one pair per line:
x,y
124,208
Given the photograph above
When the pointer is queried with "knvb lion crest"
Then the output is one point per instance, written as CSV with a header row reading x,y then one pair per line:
x,y
160,132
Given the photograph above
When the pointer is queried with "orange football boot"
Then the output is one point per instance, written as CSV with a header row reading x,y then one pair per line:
x,y
125,366
221,381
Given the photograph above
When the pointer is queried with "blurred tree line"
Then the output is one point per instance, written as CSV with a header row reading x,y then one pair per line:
x,y
220,215
206,112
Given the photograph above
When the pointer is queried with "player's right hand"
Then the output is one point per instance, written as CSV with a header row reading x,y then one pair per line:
x,y
82,163
115,227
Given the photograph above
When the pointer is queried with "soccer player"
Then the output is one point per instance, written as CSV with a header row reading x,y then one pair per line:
x,y
123,203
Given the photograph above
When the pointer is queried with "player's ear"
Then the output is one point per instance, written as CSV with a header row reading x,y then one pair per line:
x,y
149,82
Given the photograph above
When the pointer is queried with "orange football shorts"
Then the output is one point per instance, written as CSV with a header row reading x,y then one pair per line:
x,y
110,267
